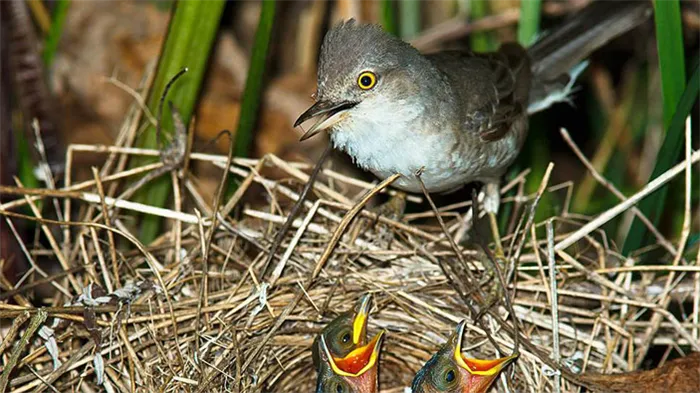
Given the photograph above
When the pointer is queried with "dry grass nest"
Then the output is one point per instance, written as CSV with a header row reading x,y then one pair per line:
x,y
215,305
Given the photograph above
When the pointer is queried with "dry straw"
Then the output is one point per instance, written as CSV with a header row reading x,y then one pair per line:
x,y
193,312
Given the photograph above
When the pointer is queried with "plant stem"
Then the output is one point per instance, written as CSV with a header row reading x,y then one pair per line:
x,y
188,44
677,103
529,24
254,82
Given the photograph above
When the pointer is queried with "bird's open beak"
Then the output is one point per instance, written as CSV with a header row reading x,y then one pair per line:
x,y
328,113
357,362
485,368
359,324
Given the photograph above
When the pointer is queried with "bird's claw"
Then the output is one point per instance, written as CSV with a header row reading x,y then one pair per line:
x,y
392,209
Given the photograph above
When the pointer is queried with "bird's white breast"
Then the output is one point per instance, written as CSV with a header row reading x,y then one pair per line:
x,y
391,136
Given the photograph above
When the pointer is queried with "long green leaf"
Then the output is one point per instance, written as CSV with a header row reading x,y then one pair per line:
x,y
254,81
409,12
25,163
669,41
388,16
529,24
670,150
481,41
188,44
54,35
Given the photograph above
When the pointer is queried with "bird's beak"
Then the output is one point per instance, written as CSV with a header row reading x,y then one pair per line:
x,y
328,112
485,368
359,324
357,362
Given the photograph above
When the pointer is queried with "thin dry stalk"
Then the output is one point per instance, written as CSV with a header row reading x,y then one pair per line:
x,y
189,312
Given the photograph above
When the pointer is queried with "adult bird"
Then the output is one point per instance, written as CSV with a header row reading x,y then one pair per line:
x,y
456,117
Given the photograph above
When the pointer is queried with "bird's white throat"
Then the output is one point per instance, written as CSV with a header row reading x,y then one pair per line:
x,y
389,136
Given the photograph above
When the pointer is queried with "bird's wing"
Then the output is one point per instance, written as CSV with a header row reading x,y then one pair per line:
x,y
492,87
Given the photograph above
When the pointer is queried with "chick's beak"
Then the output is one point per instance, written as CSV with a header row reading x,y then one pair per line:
x,y
359,324
357,362
483,370
328,113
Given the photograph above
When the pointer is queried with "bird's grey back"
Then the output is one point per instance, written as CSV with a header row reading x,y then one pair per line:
x,y
492,88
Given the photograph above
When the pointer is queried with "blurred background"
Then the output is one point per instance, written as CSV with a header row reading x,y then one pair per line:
x,y
77,66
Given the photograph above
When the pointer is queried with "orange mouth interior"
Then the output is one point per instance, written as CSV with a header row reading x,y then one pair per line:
x,y
358,359
482,365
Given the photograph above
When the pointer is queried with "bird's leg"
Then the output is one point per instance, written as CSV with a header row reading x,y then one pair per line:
x,y
465,226
492,201
494,290
393,209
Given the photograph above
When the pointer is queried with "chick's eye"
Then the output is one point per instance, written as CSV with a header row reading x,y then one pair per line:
x,y
341,342
366,80
346,338
339,386
445,377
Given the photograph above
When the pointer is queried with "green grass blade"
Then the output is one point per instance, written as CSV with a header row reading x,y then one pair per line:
x,y
528,27
188,44
254,82
669,41
481,41
54,35
25,162
529,24
409,12
387,14
670,150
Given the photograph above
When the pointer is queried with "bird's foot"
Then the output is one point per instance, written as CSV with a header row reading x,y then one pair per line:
x,y
491,202
494,291
392,209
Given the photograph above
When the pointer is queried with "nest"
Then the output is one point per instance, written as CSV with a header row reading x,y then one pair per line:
x,y
225,303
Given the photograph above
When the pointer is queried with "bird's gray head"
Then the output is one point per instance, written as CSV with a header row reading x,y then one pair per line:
x,y
350,53
358,62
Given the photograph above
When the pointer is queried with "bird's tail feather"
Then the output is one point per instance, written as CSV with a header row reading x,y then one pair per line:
x,y
557,56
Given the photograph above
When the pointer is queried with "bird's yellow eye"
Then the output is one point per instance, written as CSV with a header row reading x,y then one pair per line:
x,y
366,80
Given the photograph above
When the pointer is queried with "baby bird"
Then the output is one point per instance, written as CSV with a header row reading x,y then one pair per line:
x,y
345,360
355,373
448,371
345,333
